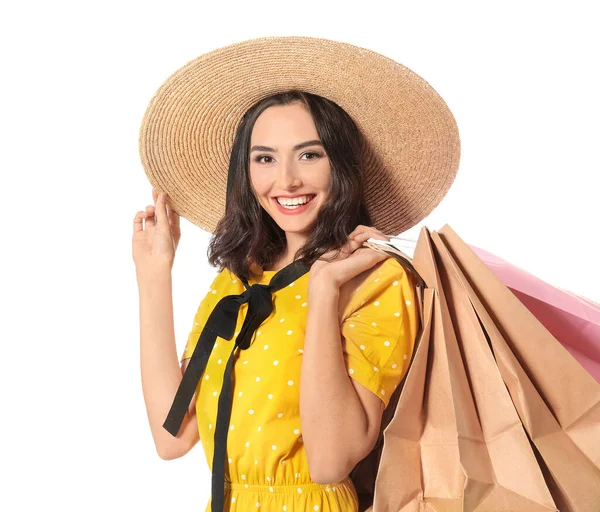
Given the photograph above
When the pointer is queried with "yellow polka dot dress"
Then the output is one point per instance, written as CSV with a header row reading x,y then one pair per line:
x,y
266,467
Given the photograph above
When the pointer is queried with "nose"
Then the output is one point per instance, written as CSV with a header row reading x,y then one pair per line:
x,y
287,176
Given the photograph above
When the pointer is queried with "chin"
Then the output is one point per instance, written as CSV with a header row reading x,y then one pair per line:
x,y
294,224
296,228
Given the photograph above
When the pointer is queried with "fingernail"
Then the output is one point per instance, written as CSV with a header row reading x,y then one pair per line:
x,y
162,196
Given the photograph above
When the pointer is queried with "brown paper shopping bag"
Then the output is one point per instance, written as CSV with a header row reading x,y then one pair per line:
x,y
482,421
455,437
557,400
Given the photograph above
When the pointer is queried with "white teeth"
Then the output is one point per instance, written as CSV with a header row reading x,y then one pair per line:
x,y
295,201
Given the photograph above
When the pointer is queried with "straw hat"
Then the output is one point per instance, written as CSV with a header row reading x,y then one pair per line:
x,y
189,126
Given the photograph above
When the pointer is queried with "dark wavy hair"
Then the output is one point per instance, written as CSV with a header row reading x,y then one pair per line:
x,y
247,233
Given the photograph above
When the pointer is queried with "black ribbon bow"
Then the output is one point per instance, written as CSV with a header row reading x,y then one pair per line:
x,y
221,322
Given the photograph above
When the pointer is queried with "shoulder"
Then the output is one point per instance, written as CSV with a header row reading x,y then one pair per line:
x,y
381,273
390,267
225,283
387,278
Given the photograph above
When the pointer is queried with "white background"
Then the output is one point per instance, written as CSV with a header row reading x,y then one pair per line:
x,y
520,77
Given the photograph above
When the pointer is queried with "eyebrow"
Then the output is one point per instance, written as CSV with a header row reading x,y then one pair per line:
x,y
295,148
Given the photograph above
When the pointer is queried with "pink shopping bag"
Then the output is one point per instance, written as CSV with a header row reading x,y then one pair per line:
x,y
573,320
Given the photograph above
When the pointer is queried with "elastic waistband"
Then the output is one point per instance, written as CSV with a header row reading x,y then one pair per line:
x,y
287,489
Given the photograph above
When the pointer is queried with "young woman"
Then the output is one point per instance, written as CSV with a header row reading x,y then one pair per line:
x,y
302,337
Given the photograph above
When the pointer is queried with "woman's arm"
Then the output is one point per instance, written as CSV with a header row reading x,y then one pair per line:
x,y
161,373
340,418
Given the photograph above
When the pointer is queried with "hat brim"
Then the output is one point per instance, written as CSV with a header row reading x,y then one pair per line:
x,y
188,129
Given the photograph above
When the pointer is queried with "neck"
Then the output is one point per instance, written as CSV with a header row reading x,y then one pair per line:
x,y
293,243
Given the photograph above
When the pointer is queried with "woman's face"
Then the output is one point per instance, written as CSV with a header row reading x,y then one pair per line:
x,y
288,165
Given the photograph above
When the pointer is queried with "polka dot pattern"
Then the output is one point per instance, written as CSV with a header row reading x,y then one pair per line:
x,y
379,329
265,445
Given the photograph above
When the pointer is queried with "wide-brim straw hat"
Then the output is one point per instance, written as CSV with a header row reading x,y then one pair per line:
x,y
413,145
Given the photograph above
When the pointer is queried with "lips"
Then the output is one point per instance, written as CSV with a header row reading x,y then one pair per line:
x,y
310,197
298,209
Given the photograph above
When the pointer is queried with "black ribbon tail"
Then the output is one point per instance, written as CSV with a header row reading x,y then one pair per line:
x,y
188,384
220,439
221,322
260,306
288,275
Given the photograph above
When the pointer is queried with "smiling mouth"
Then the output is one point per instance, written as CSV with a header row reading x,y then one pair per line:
x,y
295,206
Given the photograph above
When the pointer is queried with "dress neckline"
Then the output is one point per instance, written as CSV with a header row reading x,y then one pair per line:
x,y
267,272
265,276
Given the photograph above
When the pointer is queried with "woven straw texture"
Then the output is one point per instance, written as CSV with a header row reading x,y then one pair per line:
x,y
413,146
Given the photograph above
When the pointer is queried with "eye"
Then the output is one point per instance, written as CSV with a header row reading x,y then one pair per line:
x,y
259,157
314,153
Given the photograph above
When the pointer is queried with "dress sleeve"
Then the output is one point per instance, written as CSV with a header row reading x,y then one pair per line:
x,y
379,329
202,313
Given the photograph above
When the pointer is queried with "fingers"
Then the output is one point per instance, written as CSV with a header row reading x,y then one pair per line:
x,y
150,220
355,244
173,217
367,257
358,238
359,261
160,206
147,215
156,214
138,221
355,240
366,232
352,245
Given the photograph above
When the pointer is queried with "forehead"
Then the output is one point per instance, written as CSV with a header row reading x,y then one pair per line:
x,y
284,122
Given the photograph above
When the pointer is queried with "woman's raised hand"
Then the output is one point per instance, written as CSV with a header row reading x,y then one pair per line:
x,y
352,260
154,244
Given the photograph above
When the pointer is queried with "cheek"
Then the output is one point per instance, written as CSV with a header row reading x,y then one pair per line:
x,y
325,180
257,183
260,189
